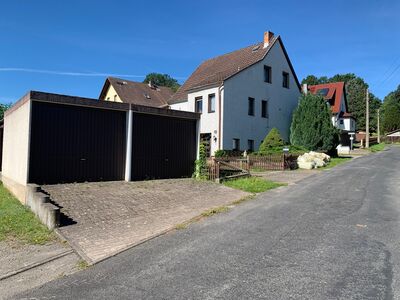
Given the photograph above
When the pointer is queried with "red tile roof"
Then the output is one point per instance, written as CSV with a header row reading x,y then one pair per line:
x,y
137,92
215,70
334,94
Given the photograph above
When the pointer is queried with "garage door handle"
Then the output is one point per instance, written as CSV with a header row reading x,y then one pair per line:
x,y
83,159
166,159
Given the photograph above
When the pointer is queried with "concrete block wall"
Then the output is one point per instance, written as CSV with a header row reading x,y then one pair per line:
x,y
39,203
16,148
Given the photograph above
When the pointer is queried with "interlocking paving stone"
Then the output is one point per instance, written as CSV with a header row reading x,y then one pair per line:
x,y
111,216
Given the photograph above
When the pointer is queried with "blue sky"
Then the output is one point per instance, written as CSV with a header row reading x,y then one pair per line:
x,y
69,47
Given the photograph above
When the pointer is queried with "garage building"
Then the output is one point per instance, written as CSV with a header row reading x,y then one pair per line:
x,y
50,139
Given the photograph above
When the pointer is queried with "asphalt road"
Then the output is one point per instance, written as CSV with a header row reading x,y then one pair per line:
x,y
335,235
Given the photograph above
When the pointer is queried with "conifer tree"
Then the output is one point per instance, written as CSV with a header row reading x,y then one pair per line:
x,y
272,141
311,126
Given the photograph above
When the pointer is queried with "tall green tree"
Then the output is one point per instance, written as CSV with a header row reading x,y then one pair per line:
x,y
356,89
3,108
162,80
391,111
311,125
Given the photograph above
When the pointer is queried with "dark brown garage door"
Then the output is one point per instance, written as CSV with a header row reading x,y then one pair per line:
x,y
76,144
163,147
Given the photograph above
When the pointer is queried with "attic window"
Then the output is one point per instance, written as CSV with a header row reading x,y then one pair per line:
x,y
323,92
255,48
147,96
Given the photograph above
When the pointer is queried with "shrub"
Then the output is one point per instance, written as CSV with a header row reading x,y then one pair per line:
x,y
273,142
228,153
311,125
201,163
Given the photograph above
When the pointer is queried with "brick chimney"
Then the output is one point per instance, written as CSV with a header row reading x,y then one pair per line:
x,y
268,35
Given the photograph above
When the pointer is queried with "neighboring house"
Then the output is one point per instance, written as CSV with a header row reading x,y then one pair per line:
x,y
335,95
393,137
146,94
242,95
395,133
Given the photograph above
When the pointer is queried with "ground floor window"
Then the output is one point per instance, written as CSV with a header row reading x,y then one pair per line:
x,y
250,145
236,144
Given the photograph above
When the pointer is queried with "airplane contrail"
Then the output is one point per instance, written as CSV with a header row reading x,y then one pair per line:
x,y
89,74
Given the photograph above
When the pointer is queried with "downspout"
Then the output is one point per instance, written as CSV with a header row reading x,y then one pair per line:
x,y
220,88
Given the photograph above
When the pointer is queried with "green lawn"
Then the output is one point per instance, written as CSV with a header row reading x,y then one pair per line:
x,y
377,147
335,161
19,223
253,184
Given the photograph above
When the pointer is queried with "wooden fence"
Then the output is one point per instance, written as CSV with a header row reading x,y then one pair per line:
x,y
391,139
228,167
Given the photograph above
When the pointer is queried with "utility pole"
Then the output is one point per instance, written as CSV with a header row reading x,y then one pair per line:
x,y
379,127
367,120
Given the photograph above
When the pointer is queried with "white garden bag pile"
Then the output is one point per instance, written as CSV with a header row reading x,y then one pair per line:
x,y
312,160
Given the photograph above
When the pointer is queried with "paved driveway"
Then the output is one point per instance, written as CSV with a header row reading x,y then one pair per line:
x,y
332,236
109,217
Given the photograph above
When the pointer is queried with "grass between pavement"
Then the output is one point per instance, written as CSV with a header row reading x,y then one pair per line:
x,y
19,223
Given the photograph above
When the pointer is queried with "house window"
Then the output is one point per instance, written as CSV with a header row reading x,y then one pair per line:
x,y
198,104
341,121
211,103
285,80
236,144
267,74
251,107
250,145
264,109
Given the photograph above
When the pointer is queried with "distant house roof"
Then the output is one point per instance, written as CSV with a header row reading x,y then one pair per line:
x,y
347,115
215,70
331,92
394,133
137,92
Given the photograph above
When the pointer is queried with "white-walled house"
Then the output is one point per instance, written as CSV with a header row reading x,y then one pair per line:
x,y
242,95
335,95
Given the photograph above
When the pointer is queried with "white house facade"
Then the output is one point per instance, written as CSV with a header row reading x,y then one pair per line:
x,y
242,95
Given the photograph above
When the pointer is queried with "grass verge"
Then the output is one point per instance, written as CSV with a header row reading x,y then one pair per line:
x,y
334,162
377,147
253,184
18,222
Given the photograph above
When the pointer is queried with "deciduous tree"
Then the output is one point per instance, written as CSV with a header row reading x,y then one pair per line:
x,y
391,111
162,80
